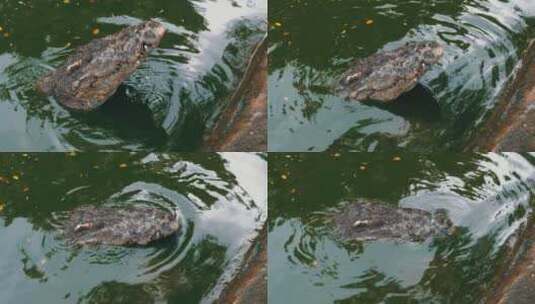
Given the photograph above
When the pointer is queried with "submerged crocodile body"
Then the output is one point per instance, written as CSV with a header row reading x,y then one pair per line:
x,y
386,75
94,72
364,220
134,225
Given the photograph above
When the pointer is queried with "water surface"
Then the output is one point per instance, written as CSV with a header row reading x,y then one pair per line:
x,y
166,105
222,209
314,41
486,196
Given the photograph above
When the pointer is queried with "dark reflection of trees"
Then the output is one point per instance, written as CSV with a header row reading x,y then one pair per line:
x,y
209,91
117,292
186,282
300,184
462,267
194,96
461,272
41,184
116,117
315,33
35,25
422,114
319,39
44,179
377,286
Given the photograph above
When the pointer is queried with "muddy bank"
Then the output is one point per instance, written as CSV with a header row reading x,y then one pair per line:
x,y
242,126
250,285
515,282
510,127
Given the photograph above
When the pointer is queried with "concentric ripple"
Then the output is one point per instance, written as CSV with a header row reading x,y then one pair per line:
x,y
171,97
487,197
309,52
219,215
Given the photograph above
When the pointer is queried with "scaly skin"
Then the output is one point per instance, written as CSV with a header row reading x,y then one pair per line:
x,y
119,226
365,220
94,72
384,76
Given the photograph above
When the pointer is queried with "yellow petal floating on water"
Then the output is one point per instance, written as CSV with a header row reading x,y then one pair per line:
x,y
15,177
278,24
284,177
396,158
2,206
95,31
66,1
369,22
123,166
1,28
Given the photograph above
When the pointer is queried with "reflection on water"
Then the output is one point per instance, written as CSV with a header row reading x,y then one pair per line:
x,y
171,97
314,42
220,214
487,198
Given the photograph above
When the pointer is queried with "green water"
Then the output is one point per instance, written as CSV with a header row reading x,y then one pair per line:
x,y
486,197
222,208
314,41
166,105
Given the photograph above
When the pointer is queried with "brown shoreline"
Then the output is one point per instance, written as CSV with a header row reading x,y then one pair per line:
x,y
250,284
515,281
242,126
510,127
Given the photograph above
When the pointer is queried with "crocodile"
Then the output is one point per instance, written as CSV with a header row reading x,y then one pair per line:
x,y
92,74
120,226
385,75
365,220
